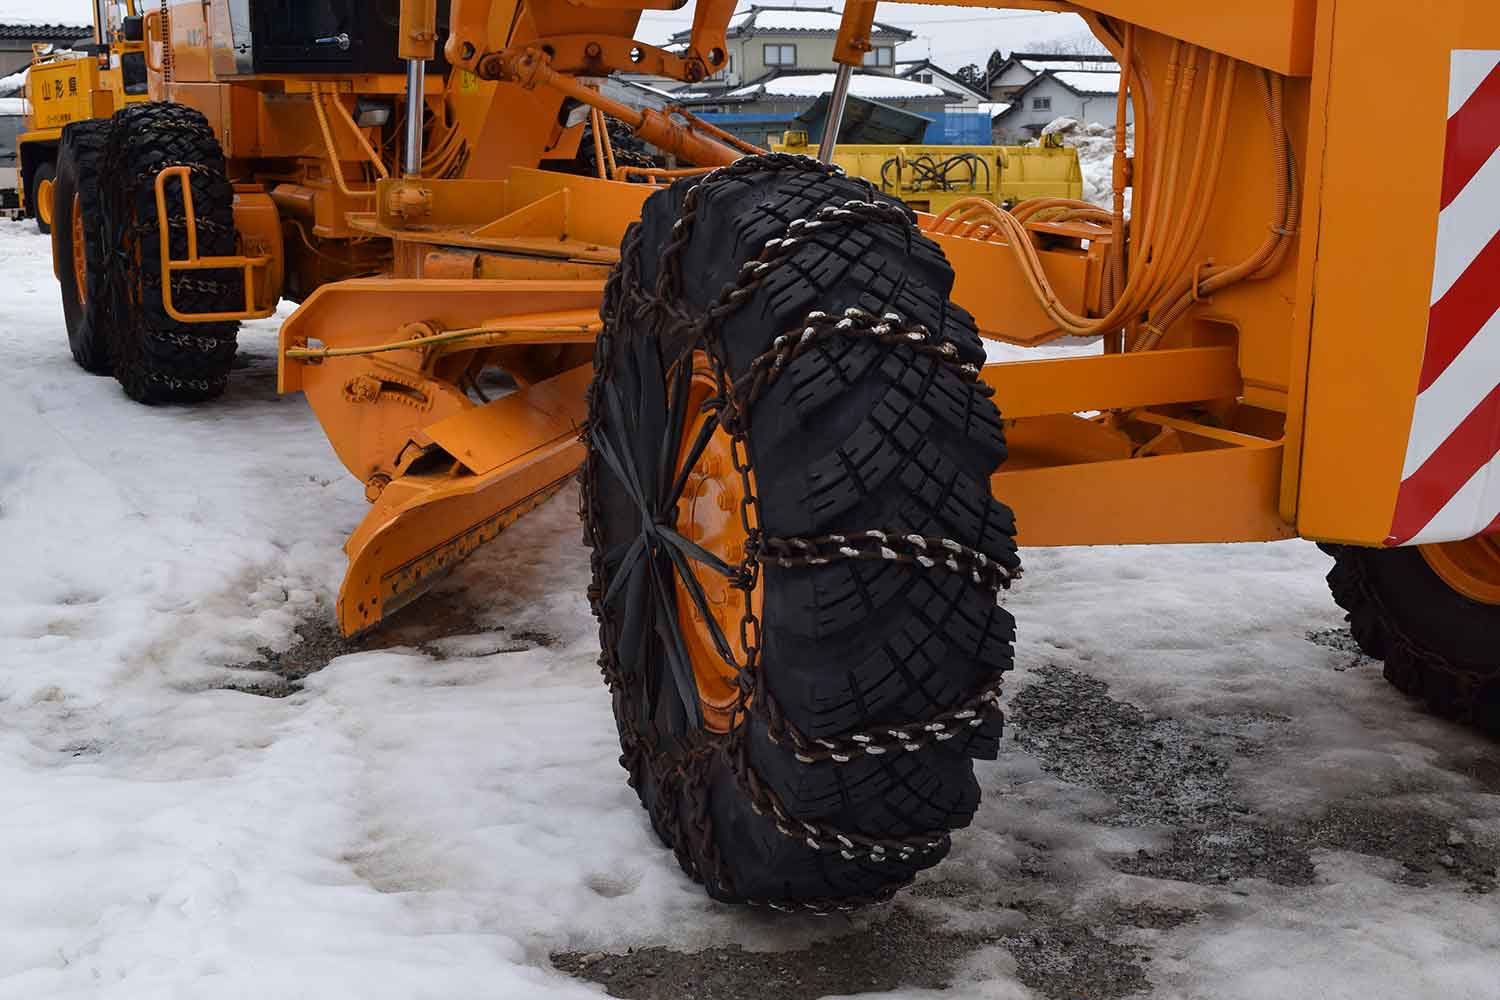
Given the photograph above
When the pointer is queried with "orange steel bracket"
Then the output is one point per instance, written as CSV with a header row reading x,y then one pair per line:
x,y
854,33
1224,494
247,266
707,42
1114,381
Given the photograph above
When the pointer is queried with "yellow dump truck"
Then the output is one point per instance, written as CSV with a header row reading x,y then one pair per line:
x,y
932,178
66,86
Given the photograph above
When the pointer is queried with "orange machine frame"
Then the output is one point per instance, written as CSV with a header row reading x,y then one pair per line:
x,y
1265,392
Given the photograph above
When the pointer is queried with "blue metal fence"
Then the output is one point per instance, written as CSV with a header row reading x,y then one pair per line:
x,y
959,128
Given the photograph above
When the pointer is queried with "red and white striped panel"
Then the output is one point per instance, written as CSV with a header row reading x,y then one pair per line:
x,y
1450,487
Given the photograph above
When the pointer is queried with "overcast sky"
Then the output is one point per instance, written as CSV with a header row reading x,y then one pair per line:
x,y
951,36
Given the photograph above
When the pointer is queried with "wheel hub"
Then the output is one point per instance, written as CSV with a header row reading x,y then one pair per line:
x,y
1470,567
80,258
709,515
44,201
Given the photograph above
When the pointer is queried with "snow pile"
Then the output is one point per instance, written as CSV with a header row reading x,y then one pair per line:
x,y
72,13
868,85
1096,155
1063,124
12,106
14,85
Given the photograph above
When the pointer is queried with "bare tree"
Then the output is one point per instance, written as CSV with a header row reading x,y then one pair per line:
x,y
1080,44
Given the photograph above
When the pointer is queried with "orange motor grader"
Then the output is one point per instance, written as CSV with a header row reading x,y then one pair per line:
x,y
802,484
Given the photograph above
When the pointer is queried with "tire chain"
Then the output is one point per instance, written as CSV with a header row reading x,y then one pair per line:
x,y
665,310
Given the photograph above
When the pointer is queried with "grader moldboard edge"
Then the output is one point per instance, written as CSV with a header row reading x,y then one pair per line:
x,y
774,379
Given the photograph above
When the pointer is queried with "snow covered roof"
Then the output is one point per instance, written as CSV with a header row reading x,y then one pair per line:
x,y
994,108
868,85
800,20
1101,63
15,84
914,67
1087,82
70,13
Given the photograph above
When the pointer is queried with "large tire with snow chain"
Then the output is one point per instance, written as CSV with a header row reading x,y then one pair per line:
x,y
830,772
157,358
1436,643
78,245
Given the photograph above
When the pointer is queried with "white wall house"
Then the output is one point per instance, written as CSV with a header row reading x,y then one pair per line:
x,y
1008,75
926,71
770,39
1090,97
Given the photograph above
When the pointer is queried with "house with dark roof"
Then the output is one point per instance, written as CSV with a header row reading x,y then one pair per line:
x,y
1090,96
1008,74
16,41
766,39
927,71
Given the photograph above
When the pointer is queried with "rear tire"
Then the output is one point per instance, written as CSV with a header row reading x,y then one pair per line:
x,y
855,434
157,358
86,305
1437,644
45,173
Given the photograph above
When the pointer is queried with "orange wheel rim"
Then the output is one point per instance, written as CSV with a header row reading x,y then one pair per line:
x,y
709,515
80,259
1471,567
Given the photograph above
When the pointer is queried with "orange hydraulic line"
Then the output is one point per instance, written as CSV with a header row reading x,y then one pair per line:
x,y
1184,284
1169,227
1145,214
609,145
1273,249
596,119
335,166
359,135
1117,220
1201,183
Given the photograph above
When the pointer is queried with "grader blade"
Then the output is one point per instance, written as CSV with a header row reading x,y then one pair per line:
x,y
486,467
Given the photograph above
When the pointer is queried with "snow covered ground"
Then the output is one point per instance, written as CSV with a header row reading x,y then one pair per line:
x,y
1245,810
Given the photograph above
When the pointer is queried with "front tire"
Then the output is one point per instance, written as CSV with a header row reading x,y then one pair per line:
x,y
157,358
892,662
1437,643
78,245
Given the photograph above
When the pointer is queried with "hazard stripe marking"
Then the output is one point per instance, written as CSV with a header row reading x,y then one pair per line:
x,y
1450,485
1473,134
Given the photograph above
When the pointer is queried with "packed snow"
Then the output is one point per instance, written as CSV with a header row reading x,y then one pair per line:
x,y
436,818
873,86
